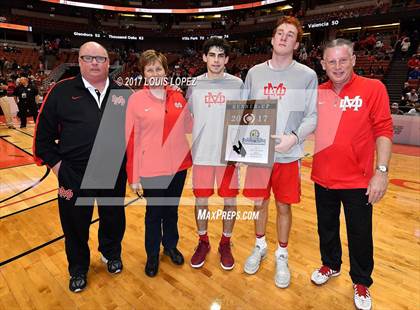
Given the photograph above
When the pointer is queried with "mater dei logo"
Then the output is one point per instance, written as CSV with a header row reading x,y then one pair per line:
x,y
275,90
354,103
254,138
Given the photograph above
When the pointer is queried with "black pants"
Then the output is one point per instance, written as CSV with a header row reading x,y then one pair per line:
x,y
358,215
23,107
162,194
76,219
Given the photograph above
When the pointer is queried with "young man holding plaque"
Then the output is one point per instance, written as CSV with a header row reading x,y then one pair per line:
x,y
207,100
295,87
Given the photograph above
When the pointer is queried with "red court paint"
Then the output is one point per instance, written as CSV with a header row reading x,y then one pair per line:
x,y
11,156
15,202
413,185
404,149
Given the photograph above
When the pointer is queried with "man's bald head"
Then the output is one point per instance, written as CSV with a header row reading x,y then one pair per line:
x,y
91,44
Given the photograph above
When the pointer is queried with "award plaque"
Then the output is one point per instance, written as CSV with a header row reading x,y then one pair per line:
x,y
249,125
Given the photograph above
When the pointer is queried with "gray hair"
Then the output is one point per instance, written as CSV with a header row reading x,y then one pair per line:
x,y
338,42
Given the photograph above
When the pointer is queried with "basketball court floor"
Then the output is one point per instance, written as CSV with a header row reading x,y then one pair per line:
x,y
33,268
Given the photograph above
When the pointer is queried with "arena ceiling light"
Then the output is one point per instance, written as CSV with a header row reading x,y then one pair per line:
x,y
167,11
207,16
351,29
284,7
16,27
384,25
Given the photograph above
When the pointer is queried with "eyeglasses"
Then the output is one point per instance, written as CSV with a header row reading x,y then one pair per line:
x,y
88,58
340,62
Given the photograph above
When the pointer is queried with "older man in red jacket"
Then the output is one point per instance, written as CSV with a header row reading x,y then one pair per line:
x,y
354,120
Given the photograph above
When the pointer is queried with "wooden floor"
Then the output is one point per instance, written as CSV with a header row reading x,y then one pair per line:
x,y
39,279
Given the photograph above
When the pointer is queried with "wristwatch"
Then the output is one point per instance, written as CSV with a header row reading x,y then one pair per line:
x,y
382,168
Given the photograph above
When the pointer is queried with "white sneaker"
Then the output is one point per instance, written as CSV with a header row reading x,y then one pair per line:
x,y
252,263
323,274
362,299
282,277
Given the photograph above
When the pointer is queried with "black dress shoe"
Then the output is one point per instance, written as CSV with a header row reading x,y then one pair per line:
x,y
152,266
175,255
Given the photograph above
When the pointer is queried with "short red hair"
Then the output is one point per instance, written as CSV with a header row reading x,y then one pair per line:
x,y
293,21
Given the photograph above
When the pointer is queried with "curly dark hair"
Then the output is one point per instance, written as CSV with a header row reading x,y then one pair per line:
x,y
217,42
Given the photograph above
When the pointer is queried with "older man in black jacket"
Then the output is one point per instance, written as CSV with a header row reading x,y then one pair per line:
x,y
86,115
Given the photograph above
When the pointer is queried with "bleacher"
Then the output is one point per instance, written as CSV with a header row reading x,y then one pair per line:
x,y
248,60
363,62
414,83
25,56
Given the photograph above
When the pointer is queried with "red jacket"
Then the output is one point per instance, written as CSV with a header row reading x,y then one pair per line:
x,y
155,130
348,125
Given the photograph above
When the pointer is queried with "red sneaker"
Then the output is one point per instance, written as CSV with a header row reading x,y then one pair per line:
x,y
199,257
226,259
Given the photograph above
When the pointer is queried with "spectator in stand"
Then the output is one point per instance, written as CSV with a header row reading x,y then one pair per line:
x,y
414,74
369,42
406,88
380,70
395,109
303,55
379,44
405,45
412,98
415,111
414,61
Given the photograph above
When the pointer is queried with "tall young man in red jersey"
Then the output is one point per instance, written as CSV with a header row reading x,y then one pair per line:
x,y
354,120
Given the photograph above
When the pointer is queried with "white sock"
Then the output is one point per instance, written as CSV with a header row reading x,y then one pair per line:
x,y
261,243
281,251
202,232
227,235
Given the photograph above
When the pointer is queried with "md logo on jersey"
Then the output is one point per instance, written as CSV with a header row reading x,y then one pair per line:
x,y
354,103
118,100
277,91
178,105
218,98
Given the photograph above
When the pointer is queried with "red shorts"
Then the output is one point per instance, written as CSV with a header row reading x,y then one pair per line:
x,y
203,178
283,178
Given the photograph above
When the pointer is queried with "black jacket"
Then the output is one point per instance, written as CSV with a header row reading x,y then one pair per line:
x,y
70,124
26,94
